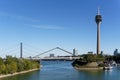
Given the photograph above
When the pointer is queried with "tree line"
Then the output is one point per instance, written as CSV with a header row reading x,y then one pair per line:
x,y
12,64
115,58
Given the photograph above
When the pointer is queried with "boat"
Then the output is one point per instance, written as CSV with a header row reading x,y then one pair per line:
x,y
113,63
108,67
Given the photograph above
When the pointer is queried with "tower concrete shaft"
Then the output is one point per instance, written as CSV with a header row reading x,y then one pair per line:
x,y
98,19
98,38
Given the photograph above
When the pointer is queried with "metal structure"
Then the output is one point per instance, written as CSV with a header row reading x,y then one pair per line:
x,y
26,51
52,50
21,50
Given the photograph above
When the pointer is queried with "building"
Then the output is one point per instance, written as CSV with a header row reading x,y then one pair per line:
x,y
52,55
75,52
98,19
116,53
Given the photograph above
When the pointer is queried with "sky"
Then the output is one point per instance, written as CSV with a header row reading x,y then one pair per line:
x,y
45,24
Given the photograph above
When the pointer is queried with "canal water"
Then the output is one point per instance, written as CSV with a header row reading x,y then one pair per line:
x,y
62,70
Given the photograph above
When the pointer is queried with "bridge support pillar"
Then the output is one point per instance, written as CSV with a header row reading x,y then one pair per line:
x,y
21,50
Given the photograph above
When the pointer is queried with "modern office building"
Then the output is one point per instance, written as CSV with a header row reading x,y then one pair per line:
x,y
75,52
116,53
51,55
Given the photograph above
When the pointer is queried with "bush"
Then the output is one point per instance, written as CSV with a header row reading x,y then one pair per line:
x,y
101,65
12,65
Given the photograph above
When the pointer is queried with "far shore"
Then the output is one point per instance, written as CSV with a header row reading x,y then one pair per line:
x,y
17,73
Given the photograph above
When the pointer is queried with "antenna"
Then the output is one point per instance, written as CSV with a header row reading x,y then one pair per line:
x,y
98,11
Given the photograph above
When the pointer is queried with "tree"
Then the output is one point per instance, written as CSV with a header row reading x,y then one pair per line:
x,y
13,64
89,57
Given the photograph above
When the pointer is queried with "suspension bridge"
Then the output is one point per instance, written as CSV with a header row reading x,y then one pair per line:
x,y
21,51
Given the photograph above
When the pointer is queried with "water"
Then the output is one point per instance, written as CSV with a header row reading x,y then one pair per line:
x,y
62,70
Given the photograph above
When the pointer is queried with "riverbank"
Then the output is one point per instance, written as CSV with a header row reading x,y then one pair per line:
x,y
86,68
17,73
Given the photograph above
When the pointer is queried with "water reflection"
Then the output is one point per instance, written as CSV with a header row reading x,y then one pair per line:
x,y
91,74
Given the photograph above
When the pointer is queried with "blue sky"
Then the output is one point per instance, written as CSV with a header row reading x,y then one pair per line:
x,y
69,24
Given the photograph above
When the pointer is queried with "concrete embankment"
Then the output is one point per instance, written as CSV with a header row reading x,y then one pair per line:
x,y
89,68
17,73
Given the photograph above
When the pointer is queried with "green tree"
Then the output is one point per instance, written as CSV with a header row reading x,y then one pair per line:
x,y
13,64
12,67
20,65
100,57
89,57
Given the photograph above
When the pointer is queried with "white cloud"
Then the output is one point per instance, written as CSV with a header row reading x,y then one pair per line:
x,y
18,17
23,18
49,27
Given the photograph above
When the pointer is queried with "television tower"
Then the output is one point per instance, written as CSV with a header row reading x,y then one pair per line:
x,y
98,19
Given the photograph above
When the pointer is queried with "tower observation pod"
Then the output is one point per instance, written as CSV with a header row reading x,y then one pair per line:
x,y
98,19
